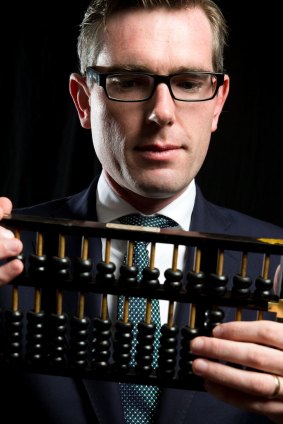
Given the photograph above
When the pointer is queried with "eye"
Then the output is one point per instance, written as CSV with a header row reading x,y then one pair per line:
x,y
187,82
128,82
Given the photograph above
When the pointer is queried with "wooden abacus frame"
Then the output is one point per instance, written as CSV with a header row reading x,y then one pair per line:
x,y
86,346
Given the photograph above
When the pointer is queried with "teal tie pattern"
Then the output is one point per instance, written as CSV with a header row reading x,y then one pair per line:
x,y
140,402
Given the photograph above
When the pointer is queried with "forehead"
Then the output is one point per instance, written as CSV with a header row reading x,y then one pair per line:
x,y
159,39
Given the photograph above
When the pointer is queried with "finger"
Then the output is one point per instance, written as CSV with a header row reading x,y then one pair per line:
x,y
10,247
6,234
5,206
263,332
250,355
246,381
10,270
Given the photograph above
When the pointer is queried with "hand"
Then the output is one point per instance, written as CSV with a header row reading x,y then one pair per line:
x,y
257,346
9,247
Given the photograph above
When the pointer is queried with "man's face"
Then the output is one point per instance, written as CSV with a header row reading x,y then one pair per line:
x,y
156,147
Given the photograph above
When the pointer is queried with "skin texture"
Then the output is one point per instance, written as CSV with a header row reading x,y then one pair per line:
x,y
9,246
150,151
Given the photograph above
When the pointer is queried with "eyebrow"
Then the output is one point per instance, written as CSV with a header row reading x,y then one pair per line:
x,y
142,68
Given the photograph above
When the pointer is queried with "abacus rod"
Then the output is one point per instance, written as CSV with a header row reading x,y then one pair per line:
x,y
244,263
170,319
259,315
37,292
192,320
220,262
266,263
15,291
15,299
61,246
81,305
130,254
220,266
59,294
37,300
126,309
148,301
238,315
81,299
193,309
152,255
265,272
104,307
59,301
107,250
84,248
243,273
148,311
197,259
175,257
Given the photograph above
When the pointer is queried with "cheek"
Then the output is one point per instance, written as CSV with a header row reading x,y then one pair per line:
x,y
107,138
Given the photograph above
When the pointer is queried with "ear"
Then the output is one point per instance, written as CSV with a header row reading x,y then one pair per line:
x,y
220,101
80,95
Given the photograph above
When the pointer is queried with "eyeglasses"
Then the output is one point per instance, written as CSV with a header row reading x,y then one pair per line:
x,y
138,87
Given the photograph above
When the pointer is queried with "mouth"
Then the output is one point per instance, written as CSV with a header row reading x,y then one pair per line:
x,y
158,152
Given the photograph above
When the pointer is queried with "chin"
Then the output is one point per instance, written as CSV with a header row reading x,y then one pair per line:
x,y
155,191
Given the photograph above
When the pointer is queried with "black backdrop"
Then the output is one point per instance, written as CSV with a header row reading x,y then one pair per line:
x,y
45,153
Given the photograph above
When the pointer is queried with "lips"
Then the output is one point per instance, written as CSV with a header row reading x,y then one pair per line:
x,y
158,152
158,148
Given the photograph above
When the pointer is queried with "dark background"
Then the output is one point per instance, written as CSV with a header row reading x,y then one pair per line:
x,y
45,153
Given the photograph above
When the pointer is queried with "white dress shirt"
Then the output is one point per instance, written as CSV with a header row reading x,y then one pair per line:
x,y
110,207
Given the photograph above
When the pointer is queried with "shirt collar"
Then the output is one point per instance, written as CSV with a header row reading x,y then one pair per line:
x,y
110,206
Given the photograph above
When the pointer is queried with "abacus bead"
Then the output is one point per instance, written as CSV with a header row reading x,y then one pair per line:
x,y
82,269
35,336
214,317
241,286
37,266
195,282
264,288
189,333
60,267
173,279
217,284
150,278
105,273
128,275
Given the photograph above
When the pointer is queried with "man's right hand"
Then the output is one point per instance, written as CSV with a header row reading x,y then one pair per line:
x,y
9,246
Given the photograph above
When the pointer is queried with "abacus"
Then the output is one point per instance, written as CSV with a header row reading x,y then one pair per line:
x,y
55,340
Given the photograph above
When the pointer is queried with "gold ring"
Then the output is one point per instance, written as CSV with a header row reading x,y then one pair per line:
x,y
276,388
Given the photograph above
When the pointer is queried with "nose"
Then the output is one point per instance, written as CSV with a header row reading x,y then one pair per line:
x,y
162,106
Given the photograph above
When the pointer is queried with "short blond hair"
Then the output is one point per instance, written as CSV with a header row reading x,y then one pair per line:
x,y
94,22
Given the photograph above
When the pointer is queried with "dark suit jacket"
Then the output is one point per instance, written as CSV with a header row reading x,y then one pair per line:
x,y
63,400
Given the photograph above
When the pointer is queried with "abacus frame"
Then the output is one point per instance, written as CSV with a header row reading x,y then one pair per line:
x,y
102,281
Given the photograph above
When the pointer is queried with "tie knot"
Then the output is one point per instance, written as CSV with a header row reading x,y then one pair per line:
x,y
159,221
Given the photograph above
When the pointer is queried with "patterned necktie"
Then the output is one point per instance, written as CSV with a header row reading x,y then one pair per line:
x,y
140,401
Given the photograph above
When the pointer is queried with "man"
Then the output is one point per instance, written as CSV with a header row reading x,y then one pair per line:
x,y
151,90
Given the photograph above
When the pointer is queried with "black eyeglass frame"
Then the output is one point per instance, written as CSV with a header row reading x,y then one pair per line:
x,y
100,79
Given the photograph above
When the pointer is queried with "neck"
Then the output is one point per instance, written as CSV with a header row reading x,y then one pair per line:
x,y
145,205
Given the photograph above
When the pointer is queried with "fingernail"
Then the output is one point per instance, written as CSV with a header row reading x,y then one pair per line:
x,y
7,234
13,246
196,344
199,366
217,331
